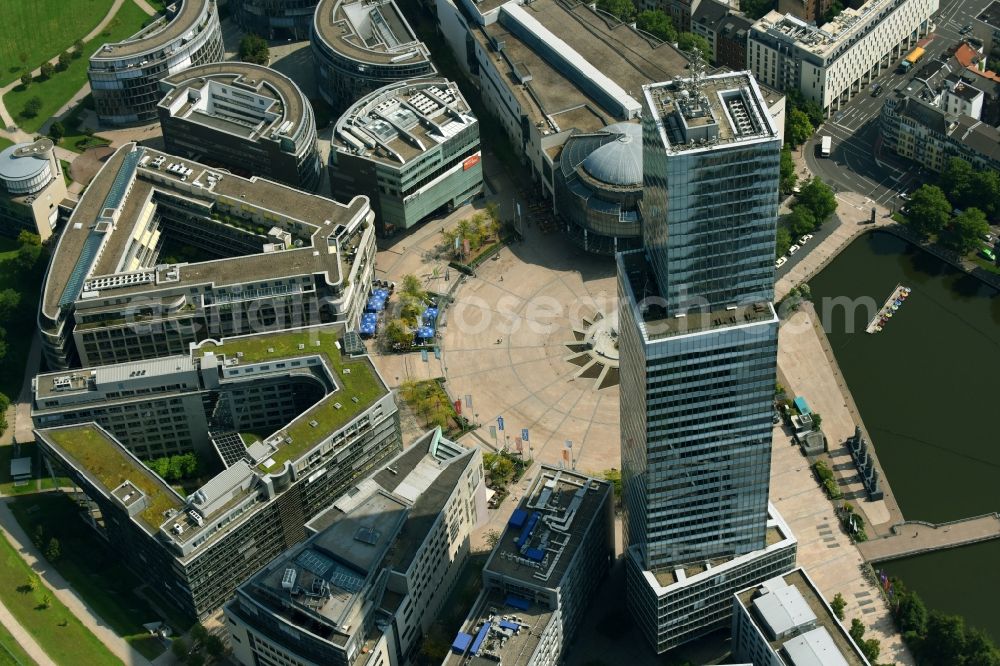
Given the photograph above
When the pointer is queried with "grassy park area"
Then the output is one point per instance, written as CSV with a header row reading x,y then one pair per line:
x,y
26,280
94,572
39,611
41,29
11,653
60,88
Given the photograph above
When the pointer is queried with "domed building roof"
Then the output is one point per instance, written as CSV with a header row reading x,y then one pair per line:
x,y
619,161
24,160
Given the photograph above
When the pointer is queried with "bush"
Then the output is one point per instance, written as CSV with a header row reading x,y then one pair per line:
x,y
64,60
32,107
26,79
57,131
47,70
253,48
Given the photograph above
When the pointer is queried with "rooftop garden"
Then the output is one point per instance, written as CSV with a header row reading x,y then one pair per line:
x,y
108,462
358,385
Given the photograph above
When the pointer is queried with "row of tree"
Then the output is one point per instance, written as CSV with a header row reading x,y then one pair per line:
x,y
936,638
802,117
814,203
47,69
429,401
930,213
412,303
658,24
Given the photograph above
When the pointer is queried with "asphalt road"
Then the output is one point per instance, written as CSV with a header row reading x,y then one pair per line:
x,y
857,162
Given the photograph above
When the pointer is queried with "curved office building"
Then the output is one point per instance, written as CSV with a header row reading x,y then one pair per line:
x,y
362,45
125,76
25,168
275,18
598,185
247,118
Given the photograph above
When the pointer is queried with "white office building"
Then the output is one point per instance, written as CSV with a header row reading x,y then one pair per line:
x,y
832,63
372,578
784,621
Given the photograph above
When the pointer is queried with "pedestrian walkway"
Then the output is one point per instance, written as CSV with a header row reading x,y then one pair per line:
x,y
913,537
10,528
23,638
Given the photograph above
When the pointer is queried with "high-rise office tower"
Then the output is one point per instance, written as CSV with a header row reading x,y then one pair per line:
x,y
698,344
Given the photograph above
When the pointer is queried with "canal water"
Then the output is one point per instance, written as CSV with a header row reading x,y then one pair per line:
x,y
926,387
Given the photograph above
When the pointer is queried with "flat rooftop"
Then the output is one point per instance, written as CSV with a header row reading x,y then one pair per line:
x,y
513,642
530,548
403,120
798,601
368,31
103,459
706,111
158,34
358,386
289,103
65,382
623,56
657,324
98,234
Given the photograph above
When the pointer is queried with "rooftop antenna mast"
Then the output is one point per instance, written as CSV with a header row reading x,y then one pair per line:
x,y
697,68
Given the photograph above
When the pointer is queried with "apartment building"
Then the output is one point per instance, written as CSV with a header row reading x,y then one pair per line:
x,y
32,185
274,19
124,77
252,120
162,251
197,549
362,45
917,125
412,148
832,63
372,578
785,620
542,575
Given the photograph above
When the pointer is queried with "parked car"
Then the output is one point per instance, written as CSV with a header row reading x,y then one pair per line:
x,y
780,261
967,28
805,239
793,249
989,238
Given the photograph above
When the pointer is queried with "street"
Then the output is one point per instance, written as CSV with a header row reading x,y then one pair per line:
x,y
857,162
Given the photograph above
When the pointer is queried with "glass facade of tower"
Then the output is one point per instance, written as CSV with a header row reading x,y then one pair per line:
x,y
698,340
709,219
697,458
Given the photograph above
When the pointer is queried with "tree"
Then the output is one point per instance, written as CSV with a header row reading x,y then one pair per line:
x,y
782,241
788,177
987,186
967,229
499,467
838,605
10,299
46,601
929,210
944,640
835,8
690,42
958,182
398,333
31,584
623,10
911,612
195,659
818,198
658,24
857,630
979,649
38,537
253,48
492,538
214,646
816,416
28,238
57,131
800,221
614,477
47,70
26,79
32,107
64,59
27,256
52,551
78,48
179,648
870,648
199,633
411,286
756,9
798,128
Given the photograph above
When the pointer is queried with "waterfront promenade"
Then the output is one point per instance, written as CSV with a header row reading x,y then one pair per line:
x,y
914,537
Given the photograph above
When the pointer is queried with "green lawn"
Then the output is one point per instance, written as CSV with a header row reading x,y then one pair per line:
x,y
94,572
75,138
41,29
55,628
4,142
11,653
63,85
